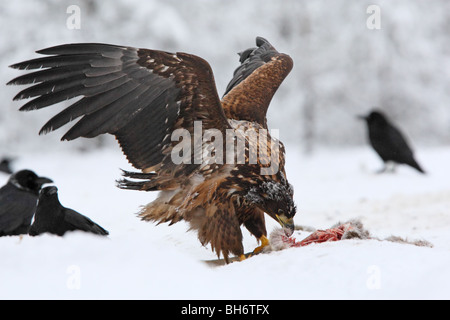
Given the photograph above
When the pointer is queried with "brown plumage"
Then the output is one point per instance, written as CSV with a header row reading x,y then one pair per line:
x,y
143,97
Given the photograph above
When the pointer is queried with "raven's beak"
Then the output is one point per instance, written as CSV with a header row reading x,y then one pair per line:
x,y
286,223
43,180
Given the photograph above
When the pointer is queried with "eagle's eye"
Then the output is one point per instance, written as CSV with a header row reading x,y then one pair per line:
x,y
280,211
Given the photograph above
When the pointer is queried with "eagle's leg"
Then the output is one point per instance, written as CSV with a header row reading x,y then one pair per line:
x,y
264,243
255,223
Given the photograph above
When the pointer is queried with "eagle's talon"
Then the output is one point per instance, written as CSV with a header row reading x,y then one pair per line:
x,y
264,243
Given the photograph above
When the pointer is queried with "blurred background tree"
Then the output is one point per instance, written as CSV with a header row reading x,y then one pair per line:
x,y
342,68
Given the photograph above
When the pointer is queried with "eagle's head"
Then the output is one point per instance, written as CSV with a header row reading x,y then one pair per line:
x,y
277,200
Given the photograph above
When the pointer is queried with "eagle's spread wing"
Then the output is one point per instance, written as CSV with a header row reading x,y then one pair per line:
x,y
138,95
255,81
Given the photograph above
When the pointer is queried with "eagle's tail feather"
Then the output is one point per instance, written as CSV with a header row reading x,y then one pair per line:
x,y
164,209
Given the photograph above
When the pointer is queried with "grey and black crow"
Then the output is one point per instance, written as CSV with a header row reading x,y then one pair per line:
x,y
18,200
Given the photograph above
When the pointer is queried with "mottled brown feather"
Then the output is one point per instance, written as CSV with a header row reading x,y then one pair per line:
x,y
250,99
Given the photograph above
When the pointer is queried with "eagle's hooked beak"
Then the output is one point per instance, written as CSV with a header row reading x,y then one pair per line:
x,y
286,223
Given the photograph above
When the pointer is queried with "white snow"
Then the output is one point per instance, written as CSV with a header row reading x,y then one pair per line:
x,y
140,260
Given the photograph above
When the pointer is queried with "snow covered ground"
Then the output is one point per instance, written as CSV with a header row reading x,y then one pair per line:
x,y
140,260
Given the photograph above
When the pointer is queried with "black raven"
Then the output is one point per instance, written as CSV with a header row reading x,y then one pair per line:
x,y
388,141
18,199
53,218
